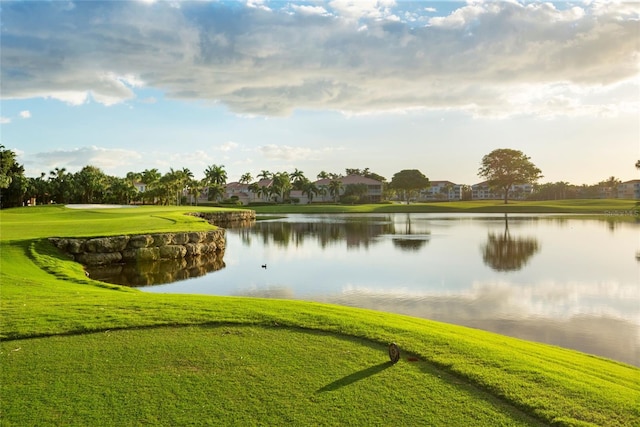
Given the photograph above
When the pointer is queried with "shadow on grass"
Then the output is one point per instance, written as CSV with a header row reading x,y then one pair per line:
x,y
356,376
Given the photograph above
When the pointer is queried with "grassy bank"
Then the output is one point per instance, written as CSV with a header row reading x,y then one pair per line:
x,y
80,352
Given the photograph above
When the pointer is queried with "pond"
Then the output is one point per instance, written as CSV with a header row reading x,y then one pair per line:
x,y
566,281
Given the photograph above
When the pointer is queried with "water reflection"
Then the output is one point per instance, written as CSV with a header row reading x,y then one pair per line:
x,y
504,252
158,272
355,231
569,282
410,245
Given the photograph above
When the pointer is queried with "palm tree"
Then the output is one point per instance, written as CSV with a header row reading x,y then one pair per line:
x,y
323,175
638,164
254,188
215,178
297,179
245,178
310,189
265,174
335,186
215,174
611,185
150,178
281,184
264,192
59,180
41,188
195,188
132,178
215,191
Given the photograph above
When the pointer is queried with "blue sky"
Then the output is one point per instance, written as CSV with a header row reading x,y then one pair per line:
x,y
321,86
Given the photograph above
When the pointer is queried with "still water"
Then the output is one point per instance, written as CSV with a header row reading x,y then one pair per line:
x,y
570,282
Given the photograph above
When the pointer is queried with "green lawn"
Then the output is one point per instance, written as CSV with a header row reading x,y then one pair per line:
x,y
79,352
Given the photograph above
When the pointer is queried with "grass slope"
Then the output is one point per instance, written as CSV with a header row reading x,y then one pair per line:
x,y
76,351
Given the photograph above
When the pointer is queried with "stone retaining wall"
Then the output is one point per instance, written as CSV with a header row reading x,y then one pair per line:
x,y
142,247
226,217
98,251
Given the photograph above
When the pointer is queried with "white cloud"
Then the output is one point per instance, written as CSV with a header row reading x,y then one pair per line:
x,y
25,114
5,120
289,153
227,146
355,9
309,10
75,159
360,57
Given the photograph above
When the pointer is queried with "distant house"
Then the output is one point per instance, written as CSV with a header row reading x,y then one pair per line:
x,y
373,194
140,186
239,190
482,191
441,190
260,190
629,189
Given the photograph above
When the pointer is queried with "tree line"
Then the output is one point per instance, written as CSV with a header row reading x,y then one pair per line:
x,y
502,168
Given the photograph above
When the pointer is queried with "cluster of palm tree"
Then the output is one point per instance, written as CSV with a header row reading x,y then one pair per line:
x,y
92,185
278,185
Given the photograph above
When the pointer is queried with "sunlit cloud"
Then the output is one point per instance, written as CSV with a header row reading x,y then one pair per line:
x,y
342,55
75,159
25,114
227,146
5,120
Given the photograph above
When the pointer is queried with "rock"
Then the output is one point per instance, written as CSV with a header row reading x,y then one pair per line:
x,y
93,258
140,241
172,251
142,254
162,239
180,238
106,244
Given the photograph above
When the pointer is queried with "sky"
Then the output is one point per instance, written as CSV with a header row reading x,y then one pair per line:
x,y
321,86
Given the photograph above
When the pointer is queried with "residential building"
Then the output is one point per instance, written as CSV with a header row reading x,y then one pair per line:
x,y
373,194
441,190
246,193
629,190
239,190
482,191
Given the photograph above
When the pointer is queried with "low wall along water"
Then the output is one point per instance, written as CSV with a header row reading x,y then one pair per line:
x,y
145,259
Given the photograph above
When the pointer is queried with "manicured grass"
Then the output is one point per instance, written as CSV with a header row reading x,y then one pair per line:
x,y
234,375
80,352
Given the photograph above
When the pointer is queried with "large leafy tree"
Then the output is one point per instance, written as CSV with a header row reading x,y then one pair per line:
x,y
90,185
409,181
12,181
504,168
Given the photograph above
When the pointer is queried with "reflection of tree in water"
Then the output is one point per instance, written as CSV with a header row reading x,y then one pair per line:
x,y
409,245
503,252
157,272
355,231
